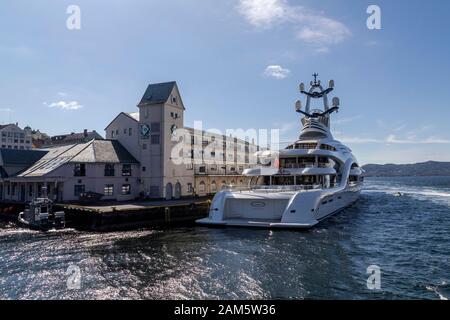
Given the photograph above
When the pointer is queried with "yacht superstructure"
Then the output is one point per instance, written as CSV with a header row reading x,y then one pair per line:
x,y
310,180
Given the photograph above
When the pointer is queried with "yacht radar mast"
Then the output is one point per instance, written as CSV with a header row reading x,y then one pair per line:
x,y
316,91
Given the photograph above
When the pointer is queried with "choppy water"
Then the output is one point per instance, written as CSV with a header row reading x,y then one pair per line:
x,y
408,237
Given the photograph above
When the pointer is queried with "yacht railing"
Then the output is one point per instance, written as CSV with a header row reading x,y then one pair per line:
x,y
305,165
274,188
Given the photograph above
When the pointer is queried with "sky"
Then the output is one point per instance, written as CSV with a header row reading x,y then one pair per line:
x,y
238,64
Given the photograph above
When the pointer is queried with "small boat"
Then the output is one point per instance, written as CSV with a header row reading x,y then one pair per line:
x,y
39,215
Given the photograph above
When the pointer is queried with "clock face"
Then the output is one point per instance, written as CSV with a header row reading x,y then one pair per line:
x,y
145,131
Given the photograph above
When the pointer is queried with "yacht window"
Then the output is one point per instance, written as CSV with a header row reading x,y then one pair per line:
x,y
305,145
327,147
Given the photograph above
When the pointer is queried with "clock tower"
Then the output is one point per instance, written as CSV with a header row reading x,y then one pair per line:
x,y
161,113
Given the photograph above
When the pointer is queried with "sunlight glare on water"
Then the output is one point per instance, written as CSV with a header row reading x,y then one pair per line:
x,y
406,236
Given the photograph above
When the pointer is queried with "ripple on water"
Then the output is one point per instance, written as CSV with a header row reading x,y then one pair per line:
x,y
407,236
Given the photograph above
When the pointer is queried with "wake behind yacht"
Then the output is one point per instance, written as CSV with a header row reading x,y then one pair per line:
x,y
310,180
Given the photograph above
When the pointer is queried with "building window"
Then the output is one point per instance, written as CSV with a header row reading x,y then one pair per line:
x,y
155,139
108,190
109,170
144,169
124,131
130,131
155,127
126,189
144,146
190,189
117,132
201,187
79,170
213,154
202,169
112,134
126,170
78,189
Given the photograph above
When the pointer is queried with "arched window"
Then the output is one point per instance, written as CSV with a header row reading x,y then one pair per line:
x,y
202,186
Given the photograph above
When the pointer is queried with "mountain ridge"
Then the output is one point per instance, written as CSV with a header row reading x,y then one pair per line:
x,y
428,168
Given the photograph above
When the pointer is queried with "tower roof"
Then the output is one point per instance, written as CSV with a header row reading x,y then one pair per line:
x,y
158,93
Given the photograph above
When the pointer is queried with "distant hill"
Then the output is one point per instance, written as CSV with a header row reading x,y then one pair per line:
x,y
430,168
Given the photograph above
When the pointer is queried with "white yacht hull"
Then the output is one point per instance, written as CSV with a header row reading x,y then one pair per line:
x,y
290,209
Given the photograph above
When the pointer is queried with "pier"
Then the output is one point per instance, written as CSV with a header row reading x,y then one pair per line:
x,y
110,216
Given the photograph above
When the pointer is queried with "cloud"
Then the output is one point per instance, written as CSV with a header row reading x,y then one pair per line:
x,y
264,13
312,28
65,105
277,72
6,110
322,31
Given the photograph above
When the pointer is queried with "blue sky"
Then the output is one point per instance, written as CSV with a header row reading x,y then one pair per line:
x,y
393,83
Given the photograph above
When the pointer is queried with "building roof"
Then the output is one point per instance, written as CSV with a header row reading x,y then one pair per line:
x,y
72,138
95,151
105,151
133,115
3,126
18,158
158,93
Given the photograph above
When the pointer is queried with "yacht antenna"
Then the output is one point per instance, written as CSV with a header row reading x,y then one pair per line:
x,y
316,91
315,75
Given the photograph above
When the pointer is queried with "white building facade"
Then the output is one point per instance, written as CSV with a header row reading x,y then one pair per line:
x,y
147,154
210,161
13,137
